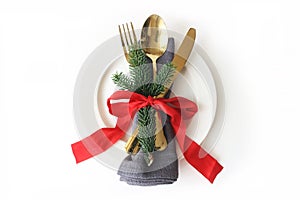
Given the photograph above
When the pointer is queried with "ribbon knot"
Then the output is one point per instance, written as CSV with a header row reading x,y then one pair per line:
x,y
177,108
150,101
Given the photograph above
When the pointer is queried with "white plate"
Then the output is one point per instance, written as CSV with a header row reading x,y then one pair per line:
x,y
94,85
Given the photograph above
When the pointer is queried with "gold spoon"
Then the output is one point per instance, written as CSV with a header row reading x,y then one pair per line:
x,y
154,41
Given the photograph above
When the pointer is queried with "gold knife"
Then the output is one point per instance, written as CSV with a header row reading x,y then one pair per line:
x,y
181,56
178,61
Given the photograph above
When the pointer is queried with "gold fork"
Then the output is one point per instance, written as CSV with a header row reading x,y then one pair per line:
x,y
132,144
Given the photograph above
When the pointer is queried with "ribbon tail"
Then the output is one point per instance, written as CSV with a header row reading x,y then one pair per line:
x,y
202,161
104,138
100,140
193,152
80,152
96,143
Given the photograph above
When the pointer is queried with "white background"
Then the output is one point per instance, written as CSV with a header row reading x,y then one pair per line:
x,y
254,44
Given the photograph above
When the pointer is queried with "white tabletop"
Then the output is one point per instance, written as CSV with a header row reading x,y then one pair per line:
x,y
253,44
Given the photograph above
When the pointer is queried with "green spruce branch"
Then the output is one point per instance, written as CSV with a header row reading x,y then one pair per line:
x,y
140,81
122,81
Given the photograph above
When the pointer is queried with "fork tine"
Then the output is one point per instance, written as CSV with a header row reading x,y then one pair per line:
x,y
127,42
133,32
125,35
129,34
122,41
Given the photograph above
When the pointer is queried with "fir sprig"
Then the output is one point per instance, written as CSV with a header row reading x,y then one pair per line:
x,y
147,127
122,81
163,78
140,80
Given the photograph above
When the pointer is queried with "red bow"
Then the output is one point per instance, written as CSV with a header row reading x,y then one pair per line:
x,y
178,108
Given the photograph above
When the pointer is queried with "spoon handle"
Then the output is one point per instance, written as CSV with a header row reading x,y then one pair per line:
x,y
160,139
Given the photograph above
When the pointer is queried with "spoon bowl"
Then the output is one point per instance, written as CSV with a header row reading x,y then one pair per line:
x,y
154,38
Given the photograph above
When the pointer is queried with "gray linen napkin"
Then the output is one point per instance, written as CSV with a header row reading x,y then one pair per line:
x,y
164,169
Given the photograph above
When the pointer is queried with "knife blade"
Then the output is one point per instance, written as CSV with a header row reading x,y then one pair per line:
x,y
181,56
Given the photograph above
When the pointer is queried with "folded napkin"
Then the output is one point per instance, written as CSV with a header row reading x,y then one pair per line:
x,y
164,169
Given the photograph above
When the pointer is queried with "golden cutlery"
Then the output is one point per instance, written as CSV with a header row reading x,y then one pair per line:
x,y
178,61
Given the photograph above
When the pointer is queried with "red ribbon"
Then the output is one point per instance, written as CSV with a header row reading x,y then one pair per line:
x,y
178,108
